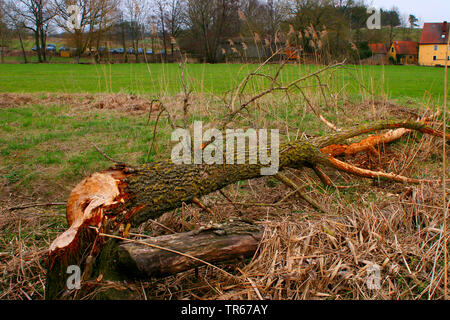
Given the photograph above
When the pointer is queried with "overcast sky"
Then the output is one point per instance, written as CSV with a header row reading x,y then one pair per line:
x,y
425,10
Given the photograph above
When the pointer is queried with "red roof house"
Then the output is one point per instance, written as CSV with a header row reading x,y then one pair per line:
x,y
433,44
404,52
435,33
406,47
378,48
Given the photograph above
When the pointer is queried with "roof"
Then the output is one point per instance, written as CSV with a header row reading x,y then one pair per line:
x,y
406,47
435,33
378,48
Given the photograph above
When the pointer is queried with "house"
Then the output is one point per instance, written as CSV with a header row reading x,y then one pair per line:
x,y
379,52
404,52
433,43
378,49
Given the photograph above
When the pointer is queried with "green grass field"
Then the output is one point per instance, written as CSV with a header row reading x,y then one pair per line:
x,y
53,137
399,83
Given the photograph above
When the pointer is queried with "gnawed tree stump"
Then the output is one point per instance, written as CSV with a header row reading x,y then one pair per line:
x,y
115,199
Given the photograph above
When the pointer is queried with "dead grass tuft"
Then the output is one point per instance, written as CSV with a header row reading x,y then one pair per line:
x,y
120,101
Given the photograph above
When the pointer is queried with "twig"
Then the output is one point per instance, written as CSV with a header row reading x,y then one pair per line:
x,y
255,288
231,201
161,105
187,93
36,205
322,176
250,204
247,78
271,88
328,123
317,113
154,134
163,109
297,189
106,156
157,223
200,204
444,170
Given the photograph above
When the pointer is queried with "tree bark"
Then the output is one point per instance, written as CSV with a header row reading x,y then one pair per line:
x,y
38,45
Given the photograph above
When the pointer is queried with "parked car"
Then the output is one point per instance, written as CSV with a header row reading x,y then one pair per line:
x,y
50,47
120,50
101,49
130,50
113,50
149,51
63,48
140,51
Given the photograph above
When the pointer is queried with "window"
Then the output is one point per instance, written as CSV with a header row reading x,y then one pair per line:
x,y
434,58
435,48
392,49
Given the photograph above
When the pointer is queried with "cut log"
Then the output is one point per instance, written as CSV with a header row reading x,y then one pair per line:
x,y
170,254
132,260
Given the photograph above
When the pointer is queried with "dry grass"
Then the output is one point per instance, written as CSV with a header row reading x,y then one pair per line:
x,y
306,255
25,237
124,102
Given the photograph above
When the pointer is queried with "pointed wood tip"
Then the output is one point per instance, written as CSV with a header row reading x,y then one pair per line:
x,y
98,190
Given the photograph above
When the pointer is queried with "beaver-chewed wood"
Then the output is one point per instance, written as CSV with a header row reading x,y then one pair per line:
x,y
112,200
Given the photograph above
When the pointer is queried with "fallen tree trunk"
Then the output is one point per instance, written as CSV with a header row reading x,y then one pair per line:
x,y
170,254
114,199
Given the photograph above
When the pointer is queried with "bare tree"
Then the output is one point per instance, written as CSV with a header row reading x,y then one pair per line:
x,y
136,13
2,8
94,16
14,22
161,9
105,22
277,11
4,32
122,36
175,16
391,18
210,22
37,16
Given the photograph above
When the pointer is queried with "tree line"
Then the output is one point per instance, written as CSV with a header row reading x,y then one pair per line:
x,y
210,30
